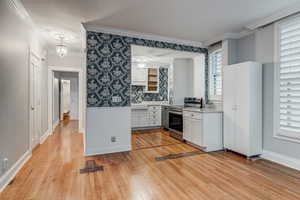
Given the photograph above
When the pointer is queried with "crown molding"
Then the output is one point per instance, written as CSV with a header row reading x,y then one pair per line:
x,y
295,8
146,36
21,11
228,36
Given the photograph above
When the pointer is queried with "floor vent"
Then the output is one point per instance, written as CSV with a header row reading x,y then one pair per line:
x,y
90,166
180,155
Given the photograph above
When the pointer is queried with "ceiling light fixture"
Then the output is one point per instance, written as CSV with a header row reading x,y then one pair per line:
x,y
61,49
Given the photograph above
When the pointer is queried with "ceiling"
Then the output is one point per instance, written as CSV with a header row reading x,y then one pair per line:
x,y
192,20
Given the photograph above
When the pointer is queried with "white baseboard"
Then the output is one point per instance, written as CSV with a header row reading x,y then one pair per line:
x,y
281,159
55,124
45,136
82,130
107,150
12,172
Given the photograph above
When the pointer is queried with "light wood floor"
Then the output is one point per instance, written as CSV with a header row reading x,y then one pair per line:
x,y
151,139
53,173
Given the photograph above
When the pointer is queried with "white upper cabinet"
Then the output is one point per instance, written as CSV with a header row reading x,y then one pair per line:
x,y
139,75
242,106
152,80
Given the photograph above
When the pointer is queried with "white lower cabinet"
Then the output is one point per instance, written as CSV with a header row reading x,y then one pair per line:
x,y
139,118
147,117
203,130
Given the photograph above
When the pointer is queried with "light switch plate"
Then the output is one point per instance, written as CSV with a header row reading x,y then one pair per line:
x,y
113,139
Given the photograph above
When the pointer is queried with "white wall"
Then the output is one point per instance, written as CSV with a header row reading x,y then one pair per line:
x,y
16,37
72,59
44,94
55,101
74,98
183,79
246,49
239,50
101,126
199,76
229,52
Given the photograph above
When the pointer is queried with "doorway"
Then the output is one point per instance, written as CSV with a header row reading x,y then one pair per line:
x,y
65,97
55,75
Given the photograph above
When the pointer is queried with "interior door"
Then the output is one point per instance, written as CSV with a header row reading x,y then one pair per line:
x,y
35,101
65,96
229,106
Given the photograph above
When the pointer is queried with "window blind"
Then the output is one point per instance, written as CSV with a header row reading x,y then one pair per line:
x,y
215,63
289,90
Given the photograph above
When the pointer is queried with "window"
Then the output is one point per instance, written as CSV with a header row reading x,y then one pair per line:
x,y
287,80
215,75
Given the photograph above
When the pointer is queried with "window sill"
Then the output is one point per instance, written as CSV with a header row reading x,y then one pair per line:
x,y
286,138
214,101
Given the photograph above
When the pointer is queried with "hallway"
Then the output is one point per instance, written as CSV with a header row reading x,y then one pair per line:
x,y
53,173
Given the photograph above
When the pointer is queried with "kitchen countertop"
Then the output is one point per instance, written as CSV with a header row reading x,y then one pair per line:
x,y
203,110
144,105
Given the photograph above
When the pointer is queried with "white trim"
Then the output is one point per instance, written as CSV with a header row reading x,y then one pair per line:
x,y
275,17
281,159
94,152
146,36
44,137
12,172
55,124
215,98
276,80
81,101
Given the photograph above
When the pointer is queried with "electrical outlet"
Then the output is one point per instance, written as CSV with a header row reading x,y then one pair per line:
x,y
5,164
113,139
116,99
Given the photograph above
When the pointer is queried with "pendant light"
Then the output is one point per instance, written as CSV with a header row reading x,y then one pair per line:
x,y
61,49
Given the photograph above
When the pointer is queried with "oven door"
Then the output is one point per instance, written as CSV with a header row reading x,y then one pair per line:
x,y
175,121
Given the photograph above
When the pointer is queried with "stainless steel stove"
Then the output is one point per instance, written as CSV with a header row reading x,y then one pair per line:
x,y
176,118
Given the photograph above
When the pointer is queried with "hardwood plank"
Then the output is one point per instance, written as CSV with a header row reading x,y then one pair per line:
x,y
151,138
53,173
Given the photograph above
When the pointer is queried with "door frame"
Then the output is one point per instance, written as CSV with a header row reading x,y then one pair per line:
x,y
31,100
81,92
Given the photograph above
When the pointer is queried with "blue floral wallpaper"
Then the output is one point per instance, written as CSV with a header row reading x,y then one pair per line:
x,y
138,95
109,67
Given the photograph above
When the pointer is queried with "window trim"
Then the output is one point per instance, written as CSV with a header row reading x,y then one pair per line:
x,y
277,132
214,98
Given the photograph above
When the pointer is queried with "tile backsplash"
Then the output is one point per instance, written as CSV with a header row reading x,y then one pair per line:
x,y
138,95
